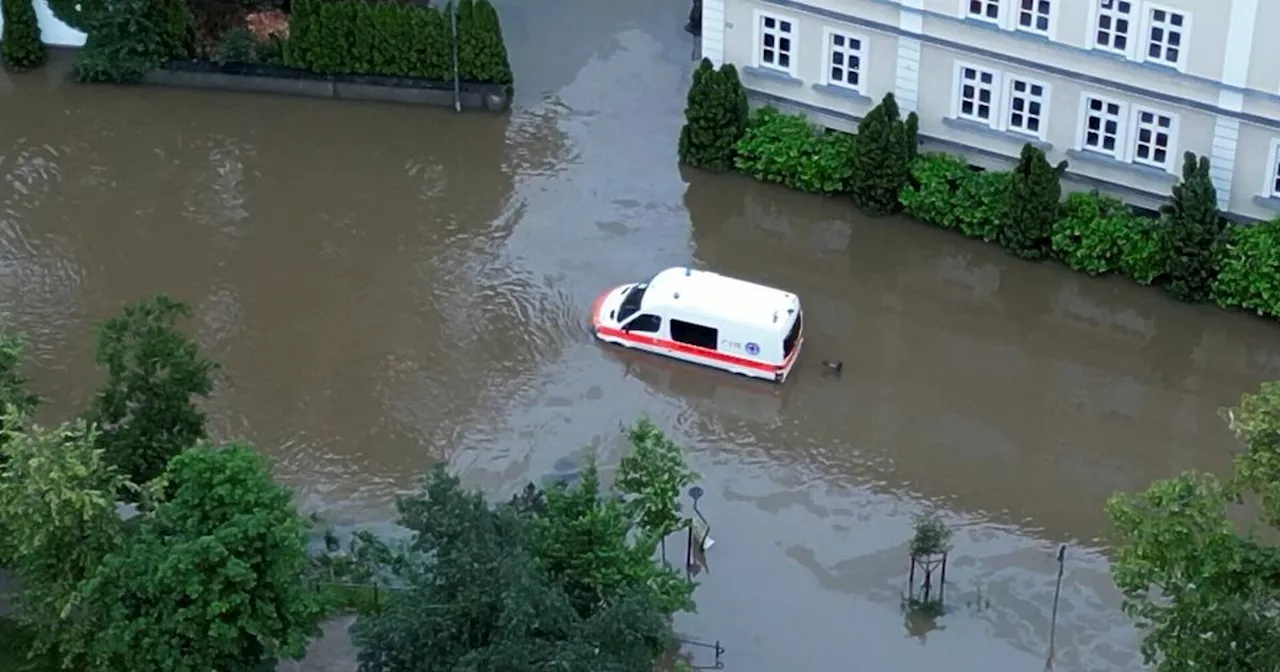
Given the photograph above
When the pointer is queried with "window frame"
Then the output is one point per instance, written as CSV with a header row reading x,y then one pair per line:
x,y
1148,19
996,94
1007,106
1121,152
1271,188
1132,37
758,42
1050,32
1171,152
714,333
629,328
966,11
828,49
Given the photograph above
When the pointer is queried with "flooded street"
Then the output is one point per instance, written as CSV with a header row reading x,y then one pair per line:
x,y
391,286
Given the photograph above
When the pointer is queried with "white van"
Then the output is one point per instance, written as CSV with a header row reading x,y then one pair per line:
x,y
705,318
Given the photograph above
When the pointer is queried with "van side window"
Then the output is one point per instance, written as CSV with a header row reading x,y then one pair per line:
x,y
646,323
695,334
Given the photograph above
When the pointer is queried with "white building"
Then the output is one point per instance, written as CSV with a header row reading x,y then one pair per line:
x,y
1120,88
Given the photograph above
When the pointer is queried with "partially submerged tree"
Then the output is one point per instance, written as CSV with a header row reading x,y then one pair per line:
x,y
1035,207
1195,229
883,150
716,113
213,578
928,549
1205,589
146,410
653,477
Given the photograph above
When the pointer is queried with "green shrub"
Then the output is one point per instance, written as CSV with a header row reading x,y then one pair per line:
x,y
237,45
20,45
131,37
1144,250
715,116
482,53
1196,230
352,37
946,192
1249,269
788,149
1034,205
882,157
1088,235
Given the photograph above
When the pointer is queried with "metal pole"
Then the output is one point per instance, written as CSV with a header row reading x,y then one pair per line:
x,y
457,87
1053,621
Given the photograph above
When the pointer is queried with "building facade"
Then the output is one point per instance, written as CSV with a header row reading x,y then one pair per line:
x,y
1119,88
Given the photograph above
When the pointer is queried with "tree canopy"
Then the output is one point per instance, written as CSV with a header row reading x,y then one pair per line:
x,y
146,410
561,579
1191,564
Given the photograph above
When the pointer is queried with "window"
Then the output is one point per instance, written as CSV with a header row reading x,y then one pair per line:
x,y
1153,137
1114,17
775,42
1165,36
694,334
1027,103
1102,119
844,60
789,343
975,93
645,323
987,10
1033,15
1273,171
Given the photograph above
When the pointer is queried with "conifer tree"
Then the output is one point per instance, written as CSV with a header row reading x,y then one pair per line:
x,y
1195,229
20,46
882,156
1037,193
715,118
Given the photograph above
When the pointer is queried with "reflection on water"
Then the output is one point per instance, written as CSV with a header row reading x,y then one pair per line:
x,y
388,287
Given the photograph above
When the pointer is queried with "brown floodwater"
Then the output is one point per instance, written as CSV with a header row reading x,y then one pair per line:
x,y
390,286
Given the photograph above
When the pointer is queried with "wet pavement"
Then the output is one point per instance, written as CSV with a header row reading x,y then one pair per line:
x,y
392,286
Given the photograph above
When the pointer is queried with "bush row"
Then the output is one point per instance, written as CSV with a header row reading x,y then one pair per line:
x,y
1188,247
347,37
20,45
398,39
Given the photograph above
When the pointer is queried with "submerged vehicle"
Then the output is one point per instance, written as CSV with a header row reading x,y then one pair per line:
x,y
705,318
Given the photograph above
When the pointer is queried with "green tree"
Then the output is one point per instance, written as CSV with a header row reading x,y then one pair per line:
x,y
1035,207
146,409
1195,229
13,384
1207,590
715,115
882,155
21,48
654,477
482,53
58,506
213,578
478,598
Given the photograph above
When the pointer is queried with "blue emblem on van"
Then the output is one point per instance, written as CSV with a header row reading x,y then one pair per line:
x,y
753,349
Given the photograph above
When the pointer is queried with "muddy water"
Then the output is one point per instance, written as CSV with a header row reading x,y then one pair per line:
x,y
388,287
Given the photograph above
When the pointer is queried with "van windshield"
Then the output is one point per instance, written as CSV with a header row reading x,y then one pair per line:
x,y
631,302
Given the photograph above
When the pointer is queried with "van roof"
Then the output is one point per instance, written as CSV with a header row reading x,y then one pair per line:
x,y
722,298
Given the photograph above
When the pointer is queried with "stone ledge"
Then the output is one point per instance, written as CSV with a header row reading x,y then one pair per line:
x,y
251,78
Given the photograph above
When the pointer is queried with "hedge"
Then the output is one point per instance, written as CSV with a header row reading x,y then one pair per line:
x,y
20,45
126,38
352,37
1189,247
